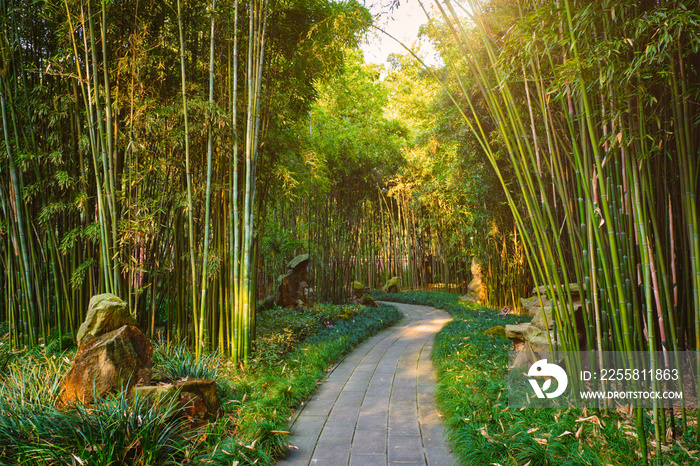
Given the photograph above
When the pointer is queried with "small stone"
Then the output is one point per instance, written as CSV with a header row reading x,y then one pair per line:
x,y
205,389
196,397
516,331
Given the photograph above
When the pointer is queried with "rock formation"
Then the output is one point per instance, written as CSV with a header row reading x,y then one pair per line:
x,y
196,397
392,285
530,339
113,354
476,287
360,295
293,289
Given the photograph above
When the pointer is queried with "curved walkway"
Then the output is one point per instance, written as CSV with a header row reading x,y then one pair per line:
x,y
377,406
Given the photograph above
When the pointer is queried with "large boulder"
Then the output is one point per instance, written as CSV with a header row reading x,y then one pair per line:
x,y
516,331
533,304
543,318
574,290
391,285
106,312
293,289
113,361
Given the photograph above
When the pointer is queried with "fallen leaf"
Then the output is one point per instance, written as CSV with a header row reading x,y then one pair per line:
x,y
541,441
533,430
594,419
566,432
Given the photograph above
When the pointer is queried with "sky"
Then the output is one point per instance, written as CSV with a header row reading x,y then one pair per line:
x,y
403,23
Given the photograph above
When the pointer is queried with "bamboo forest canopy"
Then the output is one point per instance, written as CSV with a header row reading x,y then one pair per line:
x,y
138,142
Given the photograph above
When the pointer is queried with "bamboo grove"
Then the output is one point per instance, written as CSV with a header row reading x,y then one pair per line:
x,y
391,192
592,107
134,157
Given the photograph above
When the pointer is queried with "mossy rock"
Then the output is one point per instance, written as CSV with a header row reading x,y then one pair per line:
x,y
106,313
498,330
543,318
368,300
392,285
297,261
358,289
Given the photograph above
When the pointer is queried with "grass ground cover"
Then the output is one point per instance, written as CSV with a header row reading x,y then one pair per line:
x,y
483,430
295,349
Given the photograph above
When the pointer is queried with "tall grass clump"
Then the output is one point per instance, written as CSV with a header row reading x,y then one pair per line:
x,y
176,361
593,108
115,429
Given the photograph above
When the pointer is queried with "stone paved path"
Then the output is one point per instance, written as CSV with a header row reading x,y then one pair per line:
x,y
377,406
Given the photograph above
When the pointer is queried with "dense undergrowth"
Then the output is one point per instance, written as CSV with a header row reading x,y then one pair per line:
x,y
295,349
472,394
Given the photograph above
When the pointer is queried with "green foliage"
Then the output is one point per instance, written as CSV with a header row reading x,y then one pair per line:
x,y
6,355
482,429
280,331
268,394
256,402
114,430
350,131
176,361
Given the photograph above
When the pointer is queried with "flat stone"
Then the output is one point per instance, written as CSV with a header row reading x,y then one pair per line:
x,y
369,442
196,397
406,449
337,432
516,331
367,460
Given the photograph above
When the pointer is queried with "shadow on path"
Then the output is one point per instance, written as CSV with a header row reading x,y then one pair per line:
x,y
377,405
